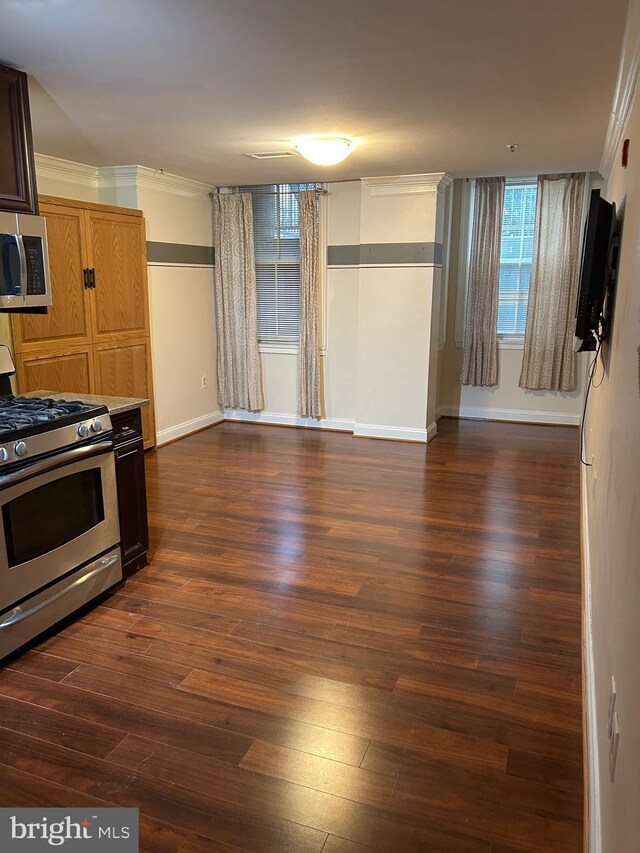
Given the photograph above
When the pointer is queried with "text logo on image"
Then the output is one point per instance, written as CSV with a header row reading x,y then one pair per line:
x,y
109,830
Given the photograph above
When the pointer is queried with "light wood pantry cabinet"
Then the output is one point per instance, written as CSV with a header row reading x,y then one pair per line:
x,y
71,369
95,338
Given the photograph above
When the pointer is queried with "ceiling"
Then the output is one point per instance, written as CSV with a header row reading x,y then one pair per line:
x,y
189,86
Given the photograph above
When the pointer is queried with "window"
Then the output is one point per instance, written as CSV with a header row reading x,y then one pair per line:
x,y
518,224
276,235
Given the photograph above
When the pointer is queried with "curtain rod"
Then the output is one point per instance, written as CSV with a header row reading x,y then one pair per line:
x,y
318,191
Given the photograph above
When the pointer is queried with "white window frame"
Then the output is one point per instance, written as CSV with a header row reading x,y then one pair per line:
x,y
514,340
506,342
290,346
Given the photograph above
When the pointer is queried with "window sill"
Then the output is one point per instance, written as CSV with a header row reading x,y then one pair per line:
x,y
283,349
511,342
278,348
503,343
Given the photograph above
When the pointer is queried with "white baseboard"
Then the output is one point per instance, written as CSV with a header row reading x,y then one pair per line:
x,y
164,436
274,418
397,433
432,430
341,424
593,834
516,415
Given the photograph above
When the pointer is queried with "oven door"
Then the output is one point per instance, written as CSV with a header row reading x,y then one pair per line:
x,y
56,515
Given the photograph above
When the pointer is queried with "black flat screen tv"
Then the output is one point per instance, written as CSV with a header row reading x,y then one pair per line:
x,y
595,271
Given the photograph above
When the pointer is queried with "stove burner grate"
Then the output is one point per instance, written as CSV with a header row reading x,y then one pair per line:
x,y
20,412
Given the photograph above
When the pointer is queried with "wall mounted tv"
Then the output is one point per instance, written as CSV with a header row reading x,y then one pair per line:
x,y
595,272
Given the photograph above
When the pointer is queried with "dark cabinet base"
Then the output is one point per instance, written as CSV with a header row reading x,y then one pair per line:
x,y
132,490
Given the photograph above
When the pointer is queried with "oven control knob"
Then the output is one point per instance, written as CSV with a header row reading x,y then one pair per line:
x,y
83,431
96,426
3,454
21,449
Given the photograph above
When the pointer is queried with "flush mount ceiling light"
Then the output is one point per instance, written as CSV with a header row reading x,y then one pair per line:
x,y
324,150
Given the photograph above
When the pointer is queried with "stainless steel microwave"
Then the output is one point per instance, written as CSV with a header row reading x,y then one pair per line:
x,y
24,262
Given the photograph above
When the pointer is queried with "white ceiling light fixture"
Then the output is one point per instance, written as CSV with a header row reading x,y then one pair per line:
x,y
324,150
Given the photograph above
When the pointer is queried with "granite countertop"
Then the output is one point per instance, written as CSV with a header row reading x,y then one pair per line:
x,y
116,405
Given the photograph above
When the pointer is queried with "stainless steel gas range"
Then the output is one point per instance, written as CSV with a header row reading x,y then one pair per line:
x,y
59,531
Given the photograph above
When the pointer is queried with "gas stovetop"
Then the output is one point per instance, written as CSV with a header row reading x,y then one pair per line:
x,y
33,426
37,414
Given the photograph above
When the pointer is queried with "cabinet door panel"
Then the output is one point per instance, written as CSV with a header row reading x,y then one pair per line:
x,y
132,499
124,370
118,254
68,319
66,372
17,170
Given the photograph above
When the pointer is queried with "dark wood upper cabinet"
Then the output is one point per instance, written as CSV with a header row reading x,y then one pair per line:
x,y
17,168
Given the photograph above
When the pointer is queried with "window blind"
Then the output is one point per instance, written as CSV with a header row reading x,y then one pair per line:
x,y
516,251
276,235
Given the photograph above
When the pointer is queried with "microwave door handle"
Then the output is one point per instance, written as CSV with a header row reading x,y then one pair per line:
x,y
23,264
76,454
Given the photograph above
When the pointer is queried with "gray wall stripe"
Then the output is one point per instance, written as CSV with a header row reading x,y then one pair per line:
x,y
353,255
385,253
343,256
179,253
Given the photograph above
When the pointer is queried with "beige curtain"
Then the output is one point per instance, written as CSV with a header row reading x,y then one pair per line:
x,y
239,377
309,388
549,361
480,360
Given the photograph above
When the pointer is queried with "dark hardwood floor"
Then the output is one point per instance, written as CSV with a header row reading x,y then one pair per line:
x,y
340,645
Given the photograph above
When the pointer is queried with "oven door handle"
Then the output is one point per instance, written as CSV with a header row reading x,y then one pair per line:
x,y
19,615
76,454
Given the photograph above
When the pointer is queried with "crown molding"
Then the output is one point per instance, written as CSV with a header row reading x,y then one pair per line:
x,y
407,184
626,88
66,170
118,176
146,178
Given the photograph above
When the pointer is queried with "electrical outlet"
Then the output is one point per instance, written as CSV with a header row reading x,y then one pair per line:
x,y
612,707
205,381
613,747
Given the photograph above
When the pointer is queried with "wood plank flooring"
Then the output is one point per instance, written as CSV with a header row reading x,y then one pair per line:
x,y
340,645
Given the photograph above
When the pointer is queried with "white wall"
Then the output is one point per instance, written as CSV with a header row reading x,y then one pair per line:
x,y
183,343
505,401
340,224
396,308
181,296
611,505
183,333
393,351
376,318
